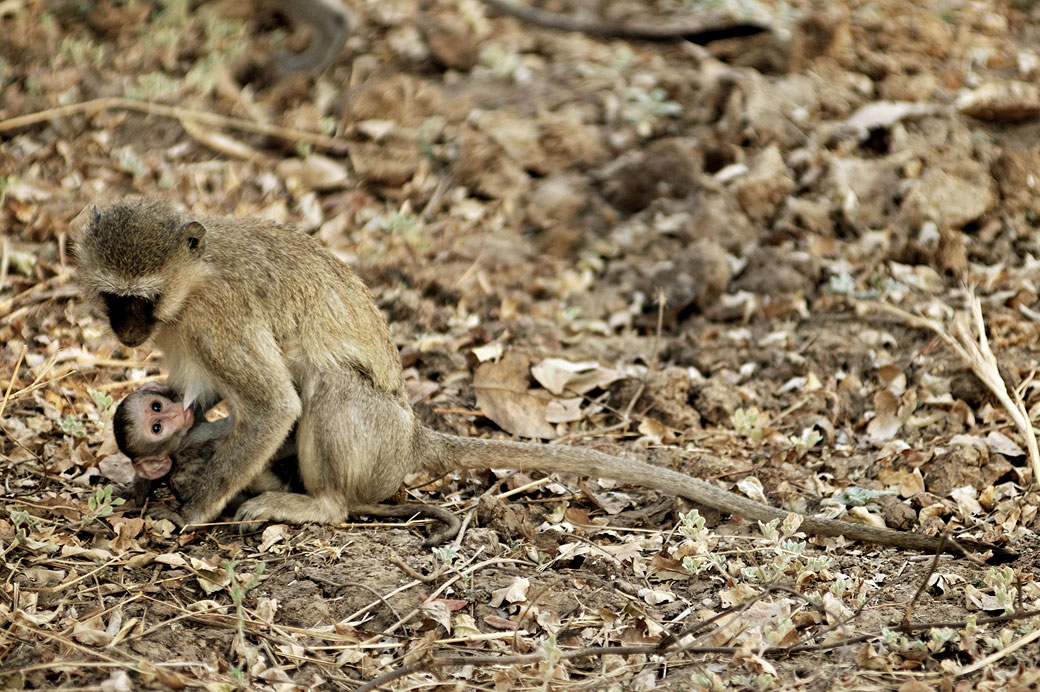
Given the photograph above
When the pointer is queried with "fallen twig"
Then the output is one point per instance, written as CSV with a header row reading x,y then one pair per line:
x,y
178,113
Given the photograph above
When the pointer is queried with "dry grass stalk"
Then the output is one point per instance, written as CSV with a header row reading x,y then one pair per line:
x,y
974,350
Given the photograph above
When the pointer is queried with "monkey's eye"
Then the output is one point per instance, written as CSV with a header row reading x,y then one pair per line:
x,y
156,406
156,428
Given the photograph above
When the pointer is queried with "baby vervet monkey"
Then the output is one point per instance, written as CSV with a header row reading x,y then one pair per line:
x,y
167,440
263,316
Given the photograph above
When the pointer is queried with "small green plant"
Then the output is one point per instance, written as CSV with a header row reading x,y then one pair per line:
x,y
23,523
448,555
808,439
750,423
130,163
70,425
501,64
153,86
644,108
238,592
697,551
789,556
101,504
103,401
6,181
854,496
1002,580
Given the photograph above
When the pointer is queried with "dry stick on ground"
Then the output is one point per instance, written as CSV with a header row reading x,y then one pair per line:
x,y
178,113
975,351
924,582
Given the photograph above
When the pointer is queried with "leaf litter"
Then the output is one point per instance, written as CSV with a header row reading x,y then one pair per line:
x,y
662,251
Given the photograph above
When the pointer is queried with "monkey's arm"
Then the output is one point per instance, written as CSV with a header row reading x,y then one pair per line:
x,y
259,390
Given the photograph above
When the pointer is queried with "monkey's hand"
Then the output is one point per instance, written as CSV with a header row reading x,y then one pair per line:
x,y
159,512
137,492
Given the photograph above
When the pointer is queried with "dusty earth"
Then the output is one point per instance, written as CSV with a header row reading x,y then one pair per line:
x,y
753,262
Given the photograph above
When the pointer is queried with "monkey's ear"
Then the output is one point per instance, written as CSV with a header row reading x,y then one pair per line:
x,y
194,234
152,467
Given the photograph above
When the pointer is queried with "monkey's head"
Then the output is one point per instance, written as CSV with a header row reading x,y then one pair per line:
x,y
149,426
138,262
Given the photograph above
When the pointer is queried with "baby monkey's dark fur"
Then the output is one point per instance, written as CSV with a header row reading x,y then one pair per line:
x,y
263,316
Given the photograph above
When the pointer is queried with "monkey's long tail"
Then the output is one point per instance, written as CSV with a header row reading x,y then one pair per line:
x,y
445,453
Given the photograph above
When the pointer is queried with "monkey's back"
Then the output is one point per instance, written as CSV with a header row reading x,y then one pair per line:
x,y
315,306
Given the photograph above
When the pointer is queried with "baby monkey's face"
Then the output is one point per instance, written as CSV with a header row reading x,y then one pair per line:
x,y
160,421
150,424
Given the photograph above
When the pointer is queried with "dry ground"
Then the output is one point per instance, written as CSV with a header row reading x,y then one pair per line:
x,y
702,236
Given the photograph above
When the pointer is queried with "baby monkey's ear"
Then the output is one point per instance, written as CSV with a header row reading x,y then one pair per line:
x,y
153,467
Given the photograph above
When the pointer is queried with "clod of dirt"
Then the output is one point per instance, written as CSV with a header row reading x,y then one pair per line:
x,y
692,280
557,200
716,402
499,517
718,217
773,271
966,461
303,605
668,168
824,31
554,208
451,41
897,514
385,164
949,200
669,389
483,165
765,187
570,138
864,190
1012,169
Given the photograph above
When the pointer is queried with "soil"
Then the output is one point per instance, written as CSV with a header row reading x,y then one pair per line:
x,y
754,262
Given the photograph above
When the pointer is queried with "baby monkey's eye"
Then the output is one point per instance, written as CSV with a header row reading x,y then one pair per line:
x,y
156,427
156,406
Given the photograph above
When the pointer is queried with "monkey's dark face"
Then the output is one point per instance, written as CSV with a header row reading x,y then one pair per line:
x,y
132,317
139,262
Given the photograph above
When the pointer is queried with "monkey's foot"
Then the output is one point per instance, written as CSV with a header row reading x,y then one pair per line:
x,y
293,508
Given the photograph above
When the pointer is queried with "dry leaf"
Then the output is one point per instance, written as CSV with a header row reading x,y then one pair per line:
x,y
503,396
885,423
514,593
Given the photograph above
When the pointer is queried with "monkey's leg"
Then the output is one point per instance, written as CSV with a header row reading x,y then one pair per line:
x,y
295,508
354,445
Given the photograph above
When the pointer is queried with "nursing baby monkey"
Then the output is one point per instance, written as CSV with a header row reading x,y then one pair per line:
x,y
167,440
263,316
